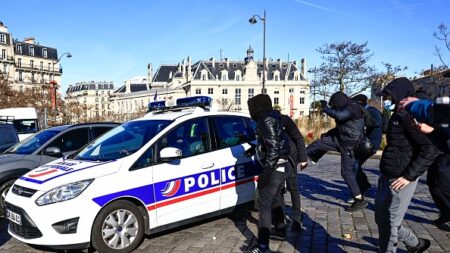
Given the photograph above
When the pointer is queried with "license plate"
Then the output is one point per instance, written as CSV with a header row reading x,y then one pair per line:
x,y
14,217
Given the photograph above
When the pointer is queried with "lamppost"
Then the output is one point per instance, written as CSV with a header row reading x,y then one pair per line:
x,y
54,84
253,21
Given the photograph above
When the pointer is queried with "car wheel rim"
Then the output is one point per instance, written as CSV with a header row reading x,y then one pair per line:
x,y
120,229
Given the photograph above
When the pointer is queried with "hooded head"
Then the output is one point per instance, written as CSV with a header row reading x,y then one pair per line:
x,y
258,105
339,100
398,89
360,99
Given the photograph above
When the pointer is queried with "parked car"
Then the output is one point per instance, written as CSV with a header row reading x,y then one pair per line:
x,y
8,136
172,167
44,147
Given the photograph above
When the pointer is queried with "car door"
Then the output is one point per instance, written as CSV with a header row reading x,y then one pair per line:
x,y
189,186
68,142
238,172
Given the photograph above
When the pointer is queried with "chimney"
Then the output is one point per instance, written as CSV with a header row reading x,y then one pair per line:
x,y
303,67
149,73
183,68
127,86
280,62
212,61
228,62
294,63
189,69
29,40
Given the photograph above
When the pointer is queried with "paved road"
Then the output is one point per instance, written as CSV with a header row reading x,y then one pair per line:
x,y
323,198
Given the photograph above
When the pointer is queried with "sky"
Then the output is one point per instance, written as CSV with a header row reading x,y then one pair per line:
x,y
115,40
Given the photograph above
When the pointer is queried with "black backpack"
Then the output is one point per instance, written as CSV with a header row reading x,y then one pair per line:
x,y
369,122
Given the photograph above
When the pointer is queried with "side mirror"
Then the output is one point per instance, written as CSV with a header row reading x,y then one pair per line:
x,y
168,154
53,151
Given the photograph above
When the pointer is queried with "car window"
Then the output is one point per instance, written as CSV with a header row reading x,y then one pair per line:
x,y
97,131
191,137
72,140
25,126
232,131
32,143
145,160
7,135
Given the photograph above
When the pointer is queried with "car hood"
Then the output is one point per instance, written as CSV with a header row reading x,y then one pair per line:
x,y
61,172
10,158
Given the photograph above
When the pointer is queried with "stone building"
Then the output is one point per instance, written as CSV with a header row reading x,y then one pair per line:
x,y
92,97
229,82
27,64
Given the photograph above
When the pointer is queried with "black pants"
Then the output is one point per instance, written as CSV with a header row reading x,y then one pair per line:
x,y
269,198
292,187
438,180
329,143
361,177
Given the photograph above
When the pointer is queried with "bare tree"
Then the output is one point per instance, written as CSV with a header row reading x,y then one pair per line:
x,y
442,35
380,78
345,67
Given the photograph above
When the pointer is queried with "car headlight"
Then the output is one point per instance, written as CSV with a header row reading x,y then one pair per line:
x,y
63,193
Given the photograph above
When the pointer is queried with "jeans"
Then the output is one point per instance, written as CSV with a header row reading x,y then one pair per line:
x,y
292,187
361,177
330,143
269,198
390,209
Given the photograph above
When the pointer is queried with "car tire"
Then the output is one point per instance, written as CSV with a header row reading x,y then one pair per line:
x,y
3,190
118,228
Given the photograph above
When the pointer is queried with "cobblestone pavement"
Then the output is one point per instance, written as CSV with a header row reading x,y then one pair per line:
x,y
329,227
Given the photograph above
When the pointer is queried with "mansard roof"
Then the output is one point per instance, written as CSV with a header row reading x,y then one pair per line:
x,y
90,86
52,53
163,73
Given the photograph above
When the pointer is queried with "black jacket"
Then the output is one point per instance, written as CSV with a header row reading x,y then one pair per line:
x,y
297,142
408,152
349,119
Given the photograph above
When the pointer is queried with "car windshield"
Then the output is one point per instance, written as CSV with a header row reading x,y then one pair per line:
x,y
32,143
122,141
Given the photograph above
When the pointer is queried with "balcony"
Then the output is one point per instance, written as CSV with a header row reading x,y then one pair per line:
x,y
34,68
8,59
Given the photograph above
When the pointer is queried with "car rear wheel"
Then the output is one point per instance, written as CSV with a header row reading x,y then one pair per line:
x,y
118,228
4,188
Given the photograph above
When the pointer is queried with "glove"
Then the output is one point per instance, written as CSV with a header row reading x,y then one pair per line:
x,y
251,151
264,179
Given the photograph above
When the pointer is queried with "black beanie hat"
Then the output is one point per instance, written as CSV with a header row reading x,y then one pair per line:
x,y
258,104
360,99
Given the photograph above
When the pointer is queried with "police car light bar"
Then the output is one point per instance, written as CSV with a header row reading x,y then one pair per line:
x,y
196,101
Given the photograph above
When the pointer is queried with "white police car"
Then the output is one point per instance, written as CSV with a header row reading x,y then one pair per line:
x,y
171,167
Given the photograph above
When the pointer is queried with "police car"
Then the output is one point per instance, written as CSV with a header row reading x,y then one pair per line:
x,y
175,165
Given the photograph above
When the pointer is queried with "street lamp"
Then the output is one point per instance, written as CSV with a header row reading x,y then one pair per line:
x,y
253,21
54,86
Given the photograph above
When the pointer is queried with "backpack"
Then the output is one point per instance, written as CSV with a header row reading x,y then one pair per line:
x,y
369,122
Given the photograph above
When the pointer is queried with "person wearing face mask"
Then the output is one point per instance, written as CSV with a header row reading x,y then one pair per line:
x,y
347,134
407,155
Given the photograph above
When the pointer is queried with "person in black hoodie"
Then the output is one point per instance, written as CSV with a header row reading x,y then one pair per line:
x,y
347,134
273,152
407,155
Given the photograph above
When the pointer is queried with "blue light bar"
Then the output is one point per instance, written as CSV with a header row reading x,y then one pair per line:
x,y
156,105
194,101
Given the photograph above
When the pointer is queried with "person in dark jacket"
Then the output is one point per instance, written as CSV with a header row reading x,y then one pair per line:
x,y
374,133
273,152
407,155
347,134
298,155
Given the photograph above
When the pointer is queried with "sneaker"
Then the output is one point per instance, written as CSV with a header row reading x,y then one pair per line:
x,y
258,249
278,234
350,201
423,245
357,205
297,226
441,220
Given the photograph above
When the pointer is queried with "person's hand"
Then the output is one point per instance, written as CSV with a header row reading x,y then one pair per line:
x,y
399,183
404,102
424,128
302,165
251,151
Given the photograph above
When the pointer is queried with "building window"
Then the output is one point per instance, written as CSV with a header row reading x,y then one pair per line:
x,y
31,49
296,79
42,78
204,77
31,63
20,76
3,38
291,90
32,77
19,62
276,92
237,97
41,66
251,93
277,78
19,48
224,91
198,91
238,77
210,91
276,101
49,65
3,53
5,68
302,113
44,53
302,92
302,100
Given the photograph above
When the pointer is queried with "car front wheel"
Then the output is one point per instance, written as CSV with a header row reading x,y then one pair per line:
x,y
118,228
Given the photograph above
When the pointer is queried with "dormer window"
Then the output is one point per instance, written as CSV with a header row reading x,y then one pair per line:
x,y
224,75
204,75
44,53
19,48
3,38
276,75
31,49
